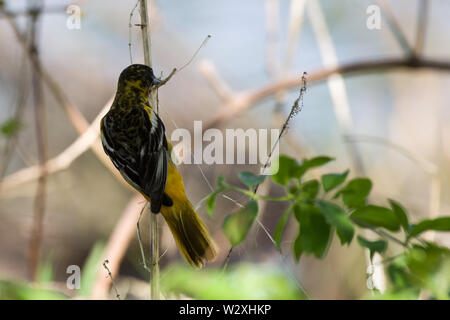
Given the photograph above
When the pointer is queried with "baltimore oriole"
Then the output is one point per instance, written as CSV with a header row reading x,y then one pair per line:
x,y
133,136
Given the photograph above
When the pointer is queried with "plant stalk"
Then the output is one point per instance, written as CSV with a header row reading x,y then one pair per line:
x,y
154,234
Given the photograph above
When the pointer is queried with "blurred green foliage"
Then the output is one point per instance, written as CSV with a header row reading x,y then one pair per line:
x,y
10,127
241,281
20,290
91,267
15,290
421,265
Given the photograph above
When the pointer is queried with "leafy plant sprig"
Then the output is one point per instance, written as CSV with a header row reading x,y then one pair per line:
x,y
327,206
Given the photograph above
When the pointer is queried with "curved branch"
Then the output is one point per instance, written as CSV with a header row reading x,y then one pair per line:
x,y
87,140
243,101
232,107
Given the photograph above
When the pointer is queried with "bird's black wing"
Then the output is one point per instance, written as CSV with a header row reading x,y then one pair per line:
x,y
137,147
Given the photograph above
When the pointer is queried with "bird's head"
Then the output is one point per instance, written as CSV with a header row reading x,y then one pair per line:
x,y
138,77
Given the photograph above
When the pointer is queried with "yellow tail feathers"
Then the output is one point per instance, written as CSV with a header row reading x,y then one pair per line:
x,y
190,233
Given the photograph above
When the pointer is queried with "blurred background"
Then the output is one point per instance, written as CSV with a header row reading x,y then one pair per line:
x,y
387,120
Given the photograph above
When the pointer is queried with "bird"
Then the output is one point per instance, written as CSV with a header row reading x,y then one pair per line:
x,y
133,136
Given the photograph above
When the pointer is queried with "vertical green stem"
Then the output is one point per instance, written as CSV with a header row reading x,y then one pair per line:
x,y
154,286
146,33
154,232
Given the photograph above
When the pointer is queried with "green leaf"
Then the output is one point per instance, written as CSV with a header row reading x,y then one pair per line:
x,y
399,275
314,233
400,213
221,181
311,163
249,179
337,217
45,271
376,216
379,246
354,194
298,250
332,180
10,127
293,190
236,225
92,267
438,224
287,168
280,227
211,200
310,189
317,161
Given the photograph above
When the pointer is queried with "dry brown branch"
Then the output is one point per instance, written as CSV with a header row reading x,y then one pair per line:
x,y
105,265
117,246
76,118
29,12
422,23
24,86
242,101
395,27
42,146
64,159
52,9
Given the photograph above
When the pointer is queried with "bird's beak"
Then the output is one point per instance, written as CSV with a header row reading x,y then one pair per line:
x,y
156,81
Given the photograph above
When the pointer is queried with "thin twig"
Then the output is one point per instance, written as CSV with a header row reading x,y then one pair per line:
x,y
242,101
111,278
164,81
20,106
130,29
395,27
175,70
422,23
141,246
42,146
380,232
296,108
117,245
196,52
154,254
145,29
227,259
